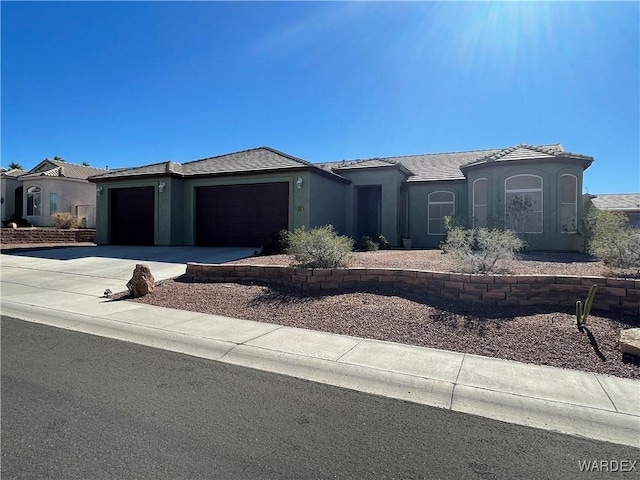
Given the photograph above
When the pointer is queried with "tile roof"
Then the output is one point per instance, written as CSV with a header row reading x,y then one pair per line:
x,y
13,173
621,201
260,159
57,168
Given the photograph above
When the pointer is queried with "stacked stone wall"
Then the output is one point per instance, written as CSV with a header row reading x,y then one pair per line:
x,y
614,294
14,236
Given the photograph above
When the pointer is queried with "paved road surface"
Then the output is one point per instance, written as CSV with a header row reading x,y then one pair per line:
x,y
81,406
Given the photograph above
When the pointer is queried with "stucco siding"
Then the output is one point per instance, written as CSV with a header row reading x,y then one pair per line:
x,y
390,181
8,186
327,203
72,194
419,207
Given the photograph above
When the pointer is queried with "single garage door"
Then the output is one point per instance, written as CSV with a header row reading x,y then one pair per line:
x,y
240,215
132,212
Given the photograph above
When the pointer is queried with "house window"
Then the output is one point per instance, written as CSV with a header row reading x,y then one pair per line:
x,y
441,204
480,202
523,203
53,203
568,203
33,201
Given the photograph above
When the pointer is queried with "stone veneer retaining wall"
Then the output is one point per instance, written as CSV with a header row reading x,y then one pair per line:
x,y
614,294
45,235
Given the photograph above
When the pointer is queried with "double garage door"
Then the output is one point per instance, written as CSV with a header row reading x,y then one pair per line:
x,y
226,216
240,215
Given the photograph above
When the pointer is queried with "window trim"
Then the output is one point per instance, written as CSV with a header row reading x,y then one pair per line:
x,y
525,190
35,192
53,202
429,203
574,203
474,204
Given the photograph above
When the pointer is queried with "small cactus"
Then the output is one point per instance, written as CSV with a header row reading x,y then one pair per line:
x,y
583,313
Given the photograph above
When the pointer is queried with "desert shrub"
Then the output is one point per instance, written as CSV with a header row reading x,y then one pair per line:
x,y
277,243
383,243
65,220
319,247
366,244
478,250
612,240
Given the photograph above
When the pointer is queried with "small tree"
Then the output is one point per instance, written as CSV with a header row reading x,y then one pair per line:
x,y
611,239
15,166
478,250
320,247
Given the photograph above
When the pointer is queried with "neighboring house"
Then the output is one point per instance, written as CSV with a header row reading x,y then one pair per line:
x,y
240,198
11,194
52,186
627,203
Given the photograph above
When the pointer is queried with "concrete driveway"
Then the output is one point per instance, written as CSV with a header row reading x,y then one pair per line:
x,y
90,270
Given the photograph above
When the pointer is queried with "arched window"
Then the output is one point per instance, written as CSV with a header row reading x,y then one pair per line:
x,y
33,201
480,202
523,203
568,203
441,204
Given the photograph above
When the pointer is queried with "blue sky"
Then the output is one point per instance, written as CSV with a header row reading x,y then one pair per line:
x,y
132,83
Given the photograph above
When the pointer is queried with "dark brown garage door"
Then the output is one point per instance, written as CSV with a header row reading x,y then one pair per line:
x,y
240,215
132,212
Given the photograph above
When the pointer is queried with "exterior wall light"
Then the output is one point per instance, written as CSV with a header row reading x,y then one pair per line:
x,y
161,186
299,182
99,190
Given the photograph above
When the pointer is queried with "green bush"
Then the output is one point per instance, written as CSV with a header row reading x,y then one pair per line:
x,y
320,247
277,243
65,220
478,250
383,243
612,240
366,244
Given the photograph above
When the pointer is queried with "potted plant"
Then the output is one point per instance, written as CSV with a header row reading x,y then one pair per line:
x,y
406,242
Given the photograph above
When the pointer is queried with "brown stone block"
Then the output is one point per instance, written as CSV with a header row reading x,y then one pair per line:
x,y
435,283
369,278
449,293
620,283
499,288
329,285
321,272
475,287
618,292
460,277
505,279
521,287
470,295
482,279
494,295
600,281
633,295
456,285
569,280
307,272
628,310
562,288
441,276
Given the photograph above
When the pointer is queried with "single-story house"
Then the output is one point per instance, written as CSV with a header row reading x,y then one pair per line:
x,y
51,186
239,199
11,194
627,203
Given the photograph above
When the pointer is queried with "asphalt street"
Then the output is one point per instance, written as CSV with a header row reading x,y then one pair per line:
x,y
83,406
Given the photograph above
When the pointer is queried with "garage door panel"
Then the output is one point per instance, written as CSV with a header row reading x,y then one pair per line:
x,y
241,215
131,216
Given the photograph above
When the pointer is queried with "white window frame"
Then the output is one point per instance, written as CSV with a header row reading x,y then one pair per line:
x,y
429,203
35,192
524,191
574,204
473,193
53,203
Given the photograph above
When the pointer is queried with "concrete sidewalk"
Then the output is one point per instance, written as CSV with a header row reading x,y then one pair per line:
x,y
48,290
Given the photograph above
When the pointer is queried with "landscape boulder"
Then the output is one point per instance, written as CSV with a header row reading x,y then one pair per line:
x,y
142,281
630,341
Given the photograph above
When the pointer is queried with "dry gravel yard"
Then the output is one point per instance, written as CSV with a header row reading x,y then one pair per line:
x,y
533,334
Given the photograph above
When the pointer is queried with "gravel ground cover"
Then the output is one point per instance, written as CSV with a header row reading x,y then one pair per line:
x,y
538,335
